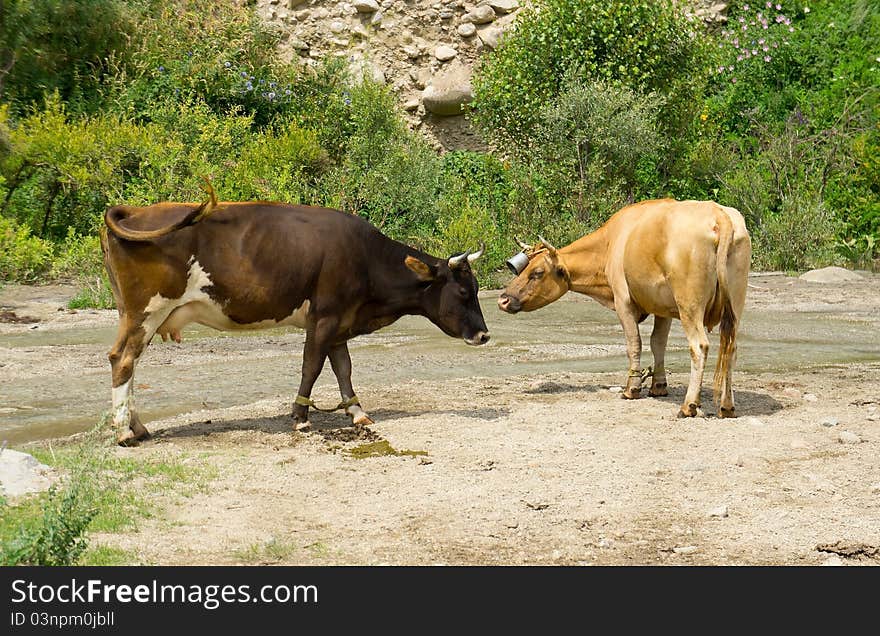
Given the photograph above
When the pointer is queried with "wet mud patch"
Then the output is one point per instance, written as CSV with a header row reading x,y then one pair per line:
x,y
9,316
381,448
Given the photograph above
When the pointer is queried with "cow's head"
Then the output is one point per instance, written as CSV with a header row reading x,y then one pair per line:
x,y
449,297
541,278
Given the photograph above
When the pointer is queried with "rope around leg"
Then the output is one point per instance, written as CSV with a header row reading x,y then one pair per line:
x,y
304,401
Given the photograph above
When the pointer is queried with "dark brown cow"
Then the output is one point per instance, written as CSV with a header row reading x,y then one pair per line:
x,y
252,265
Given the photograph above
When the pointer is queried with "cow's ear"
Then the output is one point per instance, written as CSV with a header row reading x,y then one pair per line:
x,y
422,270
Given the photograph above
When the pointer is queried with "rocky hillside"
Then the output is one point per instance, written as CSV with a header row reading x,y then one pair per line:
x,y
425,50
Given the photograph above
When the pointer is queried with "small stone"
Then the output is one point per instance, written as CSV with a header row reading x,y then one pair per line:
x,y
809,397
299,45
445,53
337,26
21,474
847,437
411,105
446,15
873,416
685,549
875,488
293,4
467,30
720,512
834,560
412,52
366,6
828,422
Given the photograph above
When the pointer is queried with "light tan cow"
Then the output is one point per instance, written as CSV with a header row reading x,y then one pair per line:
x,y
673,259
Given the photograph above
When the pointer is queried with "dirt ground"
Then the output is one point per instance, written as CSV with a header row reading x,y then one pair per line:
x,y
530,455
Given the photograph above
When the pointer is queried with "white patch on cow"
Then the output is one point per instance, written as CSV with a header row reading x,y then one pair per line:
x,y
122,403
166,315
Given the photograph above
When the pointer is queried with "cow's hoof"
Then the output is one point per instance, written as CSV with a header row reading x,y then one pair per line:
x,y
723,412
302,426
658,390
631,394
131,437
689,410
362,420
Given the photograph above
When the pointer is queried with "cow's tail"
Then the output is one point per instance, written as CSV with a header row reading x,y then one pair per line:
x,y
114,215
729,319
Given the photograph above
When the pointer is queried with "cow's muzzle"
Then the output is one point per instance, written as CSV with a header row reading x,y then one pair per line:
x,y
509,304
480,338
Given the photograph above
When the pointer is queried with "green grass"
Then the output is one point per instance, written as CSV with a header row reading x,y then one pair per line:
x,y
108,555
101,492
272,551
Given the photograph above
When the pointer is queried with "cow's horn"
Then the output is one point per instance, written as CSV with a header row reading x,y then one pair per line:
x,y
472,257
546,244
456,261
523,245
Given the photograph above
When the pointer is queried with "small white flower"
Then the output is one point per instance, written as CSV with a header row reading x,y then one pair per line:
x,y
806,9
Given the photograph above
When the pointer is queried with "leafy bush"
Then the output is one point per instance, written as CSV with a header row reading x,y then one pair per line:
x,y
644,45
798,237
71,47
58,536
23,258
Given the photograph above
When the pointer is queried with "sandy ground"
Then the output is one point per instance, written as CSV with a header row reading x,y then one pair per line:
x,y
531,455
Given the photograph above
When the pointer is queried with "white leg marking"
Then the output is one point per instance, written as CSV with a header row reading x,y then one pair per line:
x,y
358,415
123,403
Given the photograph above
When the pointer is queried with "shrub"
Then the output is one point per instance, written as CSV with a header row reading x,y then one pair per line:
x,y
58,536
643,45
798,237
23,258
70,47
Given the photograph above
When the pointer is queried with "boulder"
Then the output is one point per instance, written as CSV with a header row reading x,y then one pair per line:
x,y
830,275
490,37
366,6
482,14
503,6
21,474
447,93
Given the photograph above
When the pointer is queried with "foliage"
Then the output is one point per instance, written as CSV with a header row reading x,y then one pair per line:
x,y
23,258
643,45
71,47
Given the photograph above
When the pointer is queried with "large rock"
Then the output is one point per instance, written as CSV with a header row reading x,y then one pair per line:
x,y
482,14
448,93
21,474
366,6
490,37
830,275
503,6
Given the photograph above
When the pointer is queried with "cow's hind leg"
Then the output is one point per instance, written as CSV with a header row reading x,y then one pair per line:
x,y
698,343
129,346
340,360
659,336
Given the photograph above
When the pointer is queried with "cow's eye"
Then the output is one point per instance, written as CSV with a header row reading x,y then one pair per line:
x,y
462,292
537,273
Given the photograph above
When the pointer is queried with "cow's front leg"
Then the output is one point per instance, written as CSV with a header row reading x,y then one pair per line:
x,y
629,319
340,360
659,336
318,344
